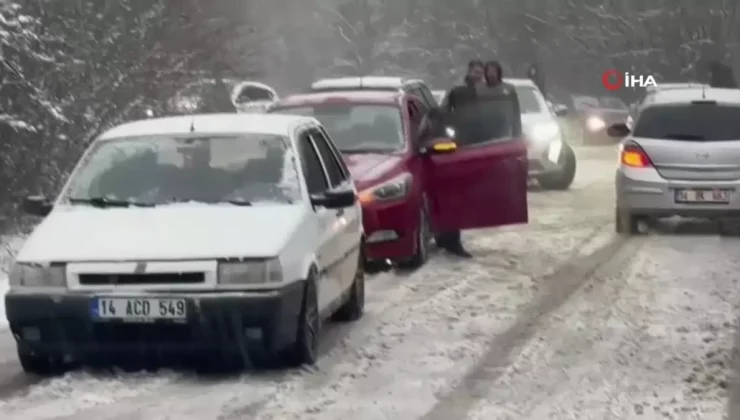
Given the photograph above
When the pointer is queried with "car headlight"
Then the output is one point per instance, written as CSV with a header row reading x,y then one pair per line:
x,y
393,189
37,275
595,123
250,272
543,133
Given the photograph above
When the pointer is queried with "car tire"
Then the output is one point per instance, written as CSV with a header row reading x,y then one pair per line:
x,y
353,309
626,223
423,236
305,348
563,179
39,364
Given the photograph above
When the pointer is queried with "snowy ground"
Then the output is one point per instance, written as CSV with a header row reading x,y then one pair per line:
x,y
556,319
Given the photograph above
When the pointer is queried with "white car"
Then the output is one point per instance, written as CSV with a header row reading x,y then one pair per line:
x,y
552,161
234,234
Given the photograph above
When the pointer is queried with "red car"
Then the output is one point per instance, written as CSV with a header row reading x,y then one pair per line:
x,y
408,191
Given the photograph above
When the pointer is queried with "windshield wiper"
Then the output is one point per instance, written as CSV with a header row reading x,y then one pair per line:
x,y
237,202
103,202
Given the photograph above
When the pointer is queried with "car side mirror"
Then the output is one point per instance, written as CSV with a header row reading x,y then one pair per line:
x,y
335,199
37,205
560,110
440,146
618,130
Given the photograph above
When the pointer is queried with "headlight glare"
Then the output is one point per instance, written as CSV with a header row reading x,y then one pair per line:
x,y
250,272
37,275
595,124
394,189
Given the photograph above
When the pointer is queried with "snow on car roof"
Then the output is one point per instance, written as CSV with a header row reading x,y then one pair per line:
x,y
369,82
210,123
669,86
677,96
368,96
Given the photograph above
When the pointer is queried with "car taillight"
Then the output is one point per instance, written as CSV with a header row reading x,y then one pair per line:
x,y
633,156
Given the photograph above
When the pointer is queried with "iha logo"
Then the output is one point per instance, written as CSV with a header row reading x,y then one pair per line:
x,y
615,80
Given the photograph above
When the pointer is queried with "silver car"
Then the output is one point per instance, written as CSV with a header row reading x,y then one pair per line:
x,y
681,159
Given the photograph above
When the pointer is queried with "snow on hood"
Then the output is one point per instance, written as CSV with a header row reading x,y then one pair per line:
x,y
182,231
368,168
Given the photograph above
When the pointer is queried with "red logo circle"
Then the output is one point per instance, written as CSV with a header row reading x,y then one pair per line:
x,y
611,80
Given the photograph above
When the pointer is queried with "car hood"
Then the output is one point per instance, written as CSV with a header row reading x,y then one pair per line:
x,y
369,168
531,120
174,232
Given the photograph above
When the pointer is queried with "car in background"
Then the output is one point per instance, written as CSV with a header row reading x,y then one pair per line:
x,y
181,223
551,160
596,117
439,95
408,189
253,97
681,159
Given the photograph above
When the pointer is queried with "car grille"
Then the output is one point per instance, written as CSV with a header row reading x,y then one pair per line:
x,y
142,279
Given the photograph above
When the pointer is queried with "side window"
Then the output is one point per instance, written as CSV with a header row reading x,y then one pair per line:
x,y
333,168
313,170
336,152
427,96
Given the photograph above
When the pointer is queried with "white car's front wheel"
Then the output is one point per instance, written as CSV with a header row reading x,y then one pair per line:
x,y
563,178
305,349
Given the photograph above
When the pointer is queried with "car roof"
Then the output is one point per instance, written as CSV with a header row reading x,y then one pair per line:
x,y
521,82
283,125
363,82
672,86
682,96
351,96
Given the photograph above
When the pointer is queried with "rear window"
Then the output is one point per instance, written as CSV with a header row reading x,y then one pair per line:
x,y
528,103
356,127
690,122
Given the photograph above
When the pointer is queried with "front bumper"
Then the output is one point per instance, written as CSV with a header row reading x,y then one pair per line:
x,y
390,229
645,192
60,324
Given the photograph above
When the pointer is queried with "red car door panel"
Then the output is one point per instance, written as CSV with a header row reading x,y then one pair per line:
x,y
482,185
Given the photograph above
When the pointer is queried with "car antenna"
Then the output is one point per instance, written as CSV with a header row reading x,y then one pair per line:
x,y
704,91
192,125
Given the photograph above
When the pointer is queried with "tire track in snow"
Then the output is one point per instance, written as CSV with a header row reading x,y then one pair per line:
x,y
562,285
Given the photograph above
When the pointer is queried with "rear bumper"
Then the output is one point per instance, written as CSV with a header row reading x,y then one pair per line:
x,y
645,192
390,229
60,324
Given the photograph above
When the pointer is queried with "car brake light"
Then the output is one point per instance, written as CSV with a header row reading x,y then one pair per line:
x,y
634,157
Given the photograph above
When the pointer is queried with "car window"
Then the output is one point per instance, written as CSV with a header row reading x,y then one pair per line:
x,y
528,101
689,122
209,168
357,127
336,152
333,168
253,93
313,170
612,103
426,96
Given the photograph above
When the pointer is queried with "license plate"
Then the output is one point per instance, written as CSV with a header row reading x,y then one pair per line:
x,y
132,309
710,196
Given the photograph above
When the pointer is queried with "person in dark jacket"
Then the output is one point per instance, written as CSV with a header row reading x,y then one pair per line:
x,y
467,92
458,97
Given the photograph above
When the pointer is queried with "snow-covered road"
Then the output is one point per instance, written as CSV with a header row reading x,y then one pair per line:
x,y
556,319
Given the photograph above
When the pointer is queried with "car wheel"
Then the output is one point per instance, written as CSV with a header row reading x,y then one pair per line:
x,y
38,364
563,179
305,349
626,223
423,235
353,309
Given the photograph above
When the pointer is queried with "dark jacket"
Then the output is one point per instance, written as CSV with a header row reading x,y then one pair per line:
x,y
460,96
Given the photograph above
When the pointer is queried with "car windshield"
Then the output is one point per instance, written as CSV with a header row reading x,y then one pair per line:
x,y
690,122
355,127
153,170
609,102
254,93
528,103
202,95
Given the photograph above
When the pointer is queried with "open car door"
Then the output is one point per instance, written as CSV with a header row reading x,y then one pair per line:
x,y
477,177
